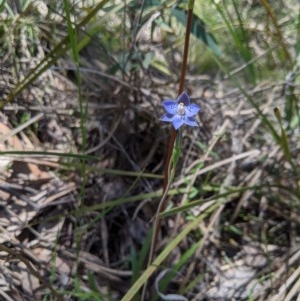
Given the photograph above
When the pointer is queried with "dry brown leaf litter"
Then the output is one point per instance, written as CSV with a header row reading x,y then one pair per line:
x,y
38,199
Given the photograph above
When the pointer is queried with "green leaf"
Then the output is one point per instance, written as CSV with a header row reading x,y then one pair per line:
x,y
147,3
198,29
283,141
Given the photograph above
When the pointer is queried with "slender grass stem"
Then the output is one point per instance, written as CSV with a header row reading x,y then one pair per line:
x,y
269,11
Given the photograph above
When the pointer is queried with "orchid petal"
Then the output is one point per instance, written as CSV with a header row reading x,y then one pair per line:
x,y
184,98
170,106
190,121
167,117
192,110
178,122
181,111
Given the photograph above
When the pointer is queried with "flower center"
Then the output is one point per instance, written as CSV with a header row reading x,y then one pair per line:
x,y
180,109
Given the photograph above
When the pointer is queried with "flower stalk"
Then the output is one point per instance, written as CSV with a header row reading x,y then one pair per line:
x,y
174,149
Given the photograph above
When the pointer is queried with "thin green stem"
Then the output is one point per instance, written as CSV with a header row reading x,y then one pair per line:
x,y
72,32
157,223
269,11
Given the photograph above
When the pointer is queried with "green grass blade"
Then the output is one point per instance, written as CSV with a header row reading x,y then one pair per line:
x,y
160,258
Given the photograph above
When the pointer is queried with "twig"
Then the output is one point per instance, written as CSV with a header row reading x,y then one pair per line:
x,y
21,127
18,255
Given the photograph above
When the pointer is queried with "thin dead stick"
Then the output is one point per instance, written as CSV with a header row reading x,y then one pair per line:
x,y
18,255
21,127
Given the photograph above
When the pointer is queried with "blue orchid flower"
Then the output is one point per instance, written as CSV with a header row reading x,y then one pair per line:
x,y
181,111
